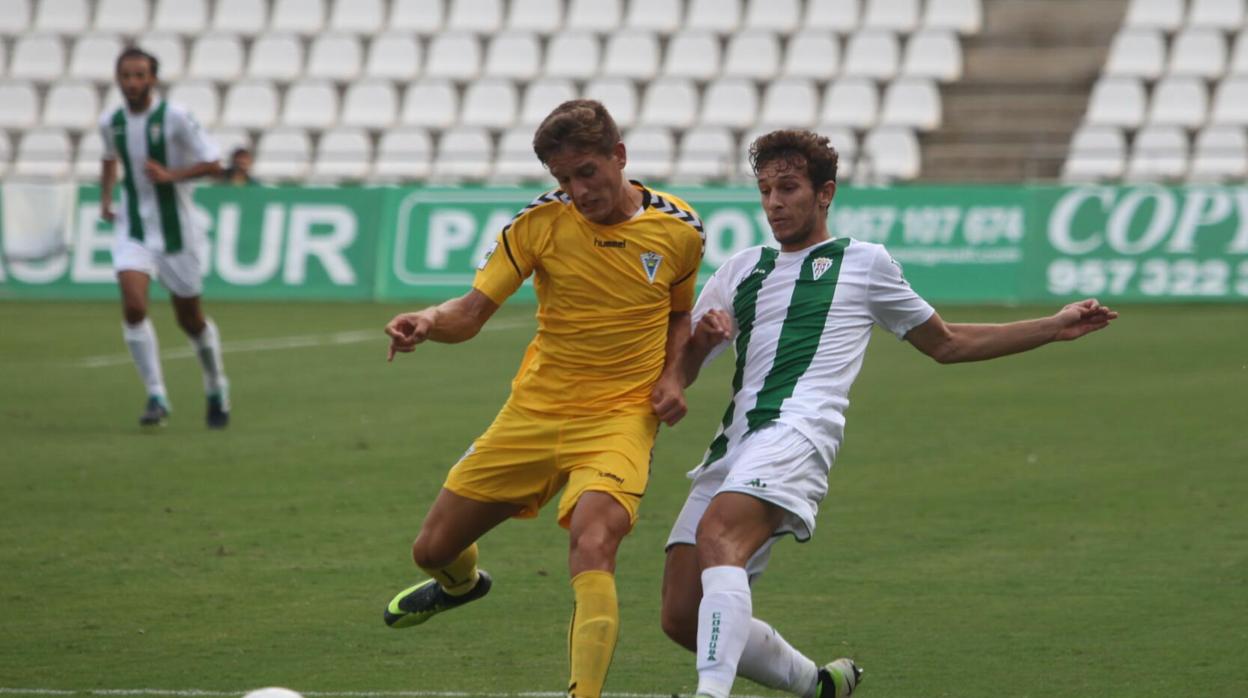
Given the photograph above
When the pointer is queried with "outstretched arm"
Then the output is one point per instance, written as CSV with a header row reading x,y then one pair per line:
x,y
668,396
714,328
951,343
456,320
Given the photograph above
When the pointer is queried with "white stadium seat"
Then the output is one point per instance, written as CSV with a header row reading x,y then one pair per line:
x,y
541,97
572,55
6,153
430,104
731,103
246,17
216,57
1227,15
38,57
1096,153
200,98
961,16
1159,153
62,16
394,57
423,17
669,102
311,104
335,57
706,154
490,103
1179,102
1221,155
1199,52
121,16
851,103
43,152
1239,54
790,103
1230,102
276,57
744,168
94,57
476,16
659,16
935,54
170,51
752,54
403,154
515,55
1166,15
87,155
872,54
4,57
370,104
892,153
537,16
813,54
14,17
71,105
846,145
358,16
1117,102
714,15
19,104
891,15
283,154
913,102
343,154
598,16
838,16
631,54
651,150
304,17
252,104
516,162
782,16
618,95
1137,53
693,55
454,56
228,140
464,153
180,16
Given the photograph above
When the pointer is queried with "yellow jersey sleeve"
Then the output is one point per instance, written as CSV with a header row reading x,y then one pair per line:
x,y
683,291
513,256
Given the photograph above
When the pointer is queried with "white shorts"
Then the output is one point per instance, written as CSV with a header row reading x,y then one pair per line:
x,y
776,464
181,272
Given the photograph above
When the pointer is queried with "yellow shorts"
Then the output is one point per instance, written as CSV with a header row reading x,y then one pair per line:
x,y
525,457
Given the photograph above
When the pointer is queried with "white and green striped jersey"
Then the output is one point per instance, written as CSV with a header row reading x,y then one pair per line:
x,y
158,215
802,323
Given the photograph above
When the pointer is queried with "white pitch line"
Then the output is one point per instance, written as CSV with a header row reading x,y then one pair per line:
x,y
244,346
202,693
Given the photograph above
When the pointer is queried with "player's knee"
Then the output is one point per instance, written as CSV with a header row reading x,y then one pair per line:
x,y
596,542
133,314
428,553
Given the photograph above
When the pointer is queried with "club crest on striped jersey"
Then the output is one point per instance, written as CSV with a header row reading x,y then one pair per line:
x,y
650,262
820,267
154,131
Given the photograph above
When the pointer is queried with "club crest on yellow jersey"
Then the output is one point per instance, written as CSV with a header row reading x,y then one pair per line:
x,y
650,262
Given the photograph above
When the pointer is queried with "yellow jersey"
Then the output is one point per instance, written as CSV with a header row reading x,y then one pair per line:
x,y
604,293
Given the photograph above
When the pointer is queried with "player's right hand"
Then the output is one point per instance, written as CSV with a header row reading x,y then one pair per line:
x,y
106,214
714,327
406,331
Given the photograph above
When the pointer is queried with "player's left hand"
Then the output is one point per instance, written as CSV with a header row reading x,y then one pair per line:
x,y
667,399
1078,319
157,172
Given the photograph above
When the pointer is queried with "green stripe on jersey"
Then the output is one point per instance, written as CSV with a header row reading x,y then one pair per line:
x,y
801,333
132,196
743,307
166,196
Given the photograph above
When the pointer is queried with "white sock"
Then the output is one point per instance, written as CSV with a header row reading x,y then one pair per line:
x,y
723,627
771,661
144,349
208,349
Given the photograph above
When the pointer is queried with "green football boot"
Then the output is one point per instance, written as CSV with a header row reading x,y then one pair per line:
x,y
417,604
838,679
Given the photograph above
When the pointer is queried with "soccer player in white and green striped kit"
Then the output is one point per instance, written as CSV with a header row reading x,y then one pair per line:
x,y
161,150
799,318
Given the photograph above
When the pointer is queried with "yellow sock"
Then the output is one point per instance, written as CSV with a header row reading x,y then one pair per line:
x,y
459,577
592,633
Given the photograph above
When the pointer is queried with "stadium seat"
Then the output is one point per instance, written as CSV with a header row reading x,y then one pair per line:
x,y
541,17
1227,15
170,51
631,54
850,103
541,97
597,16
94,57
358,16
14,17
813,54
693,55
276,57
650,153
430,104
913,102
714,16
454,56
900,16
200,98
515,55
891,153
38,57
1096,153
706,154
87,156
343,154
112,99
1166,15
1137,53
19,104
846,145
572,55
838,16
464,153
245,17
745,170
4,57
180,16
303,17
251,104
781,16
1239,54
121,16
1159,153
1116,102
216,57
658,16
752,54
475,16
403,154
394,57
730,103
6,153
669,102
1179,102
370,104
230,139
1230,102
935,54
1198,53
961,16
335,57
43,152
423,17
618,95
490,103
790,103
283,154
1221,155
71,105
311,104
872,54
516,161
62,17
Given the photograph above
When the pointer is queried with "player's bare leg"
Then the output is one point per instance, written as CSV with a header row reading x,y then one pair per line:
x,y
206,341
597,526
140,338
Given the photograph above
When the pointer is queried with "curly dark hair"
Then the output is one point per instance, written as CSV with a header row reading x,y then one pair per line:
x,y
799,148
581,124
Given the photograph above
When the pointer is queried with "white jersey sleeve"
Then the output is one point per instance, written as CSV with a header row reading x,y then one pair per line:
x,y
716,295
108,149
189,135
892,303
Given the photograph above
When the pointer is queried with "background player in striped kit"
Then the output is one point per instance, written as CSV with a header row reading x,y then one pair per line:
x,y
161,149
800,318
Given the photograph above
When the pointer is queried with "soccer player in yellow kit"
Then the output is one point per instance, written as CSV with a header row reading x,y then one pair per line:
x,y
614,265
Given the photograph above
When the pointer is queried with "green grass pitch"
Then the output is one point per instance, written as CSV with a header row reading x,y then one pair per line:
x,y
1071,522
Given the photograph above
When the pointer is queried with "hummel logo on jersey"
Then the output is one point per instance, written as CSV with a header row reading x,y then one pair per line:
x,y
650,261
756,483
608,243
820,267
